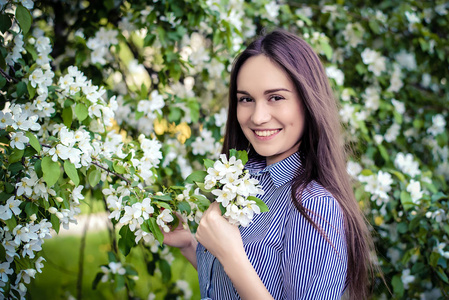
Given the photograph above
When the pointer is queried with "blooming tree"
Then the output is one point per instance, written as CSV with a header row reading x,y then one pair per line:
x,y
118,101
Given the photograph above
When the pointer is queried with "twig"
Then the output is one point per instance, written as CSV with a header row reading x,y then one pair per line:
x,y
101,167
109,171
9,78
79,283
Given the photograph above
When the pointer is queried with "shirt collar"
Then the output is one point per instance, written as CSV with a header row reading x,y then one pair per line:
x,y
281,172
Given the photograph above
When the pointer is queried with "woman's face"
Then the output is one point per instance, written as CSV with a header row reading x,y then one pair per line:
x,y
269,109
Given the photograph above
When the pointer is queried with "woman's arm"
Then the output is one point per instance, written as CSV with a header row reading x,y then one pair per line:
x,y
182,238
223,240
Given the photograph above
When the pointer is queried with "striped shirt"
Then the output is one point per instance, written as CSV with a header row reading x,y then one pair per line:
x,y
293,260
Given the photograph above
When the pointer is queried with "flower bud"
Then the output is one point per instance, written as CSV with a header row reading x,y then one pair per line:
x,y
59,199
53,210
180,197
33,217
159,194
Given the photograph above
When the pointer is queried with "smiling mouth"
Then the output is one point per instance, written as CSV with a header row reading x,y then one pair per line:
x,y
266,133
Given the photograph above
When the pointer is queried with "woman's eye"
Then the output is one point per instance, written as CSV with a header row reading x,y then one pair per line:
x,y
245,99
276,97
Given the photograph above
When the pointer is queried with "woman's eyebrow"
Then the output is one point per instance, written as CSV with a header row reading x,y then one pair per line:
x,y
266,92
276,90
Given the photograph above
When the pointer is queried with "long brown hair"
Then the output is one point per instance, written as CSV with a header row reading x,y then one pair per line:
x,y
322,150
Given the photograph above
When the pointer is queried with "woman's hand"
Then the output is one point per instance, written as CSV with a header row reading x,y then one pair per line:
x,y
182,238
218,236
223,240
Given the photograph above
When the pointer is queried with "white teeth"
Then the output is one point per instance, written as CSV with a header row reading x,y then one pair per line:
x,y
265,132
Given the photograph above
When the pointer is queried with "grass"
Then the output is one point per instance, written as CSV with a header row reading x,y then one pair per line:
x,y
59,277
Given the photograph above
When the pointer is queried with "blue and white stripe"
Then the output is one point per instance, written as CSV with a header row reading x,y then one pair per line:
x,y
293,260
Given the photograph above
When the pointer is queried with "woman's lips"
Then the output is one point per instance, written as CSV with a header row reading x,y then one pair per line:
x,y
266,134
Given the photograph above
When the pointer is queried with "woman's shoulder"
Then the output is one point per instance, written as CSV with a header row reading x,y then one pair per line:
x,y
319,202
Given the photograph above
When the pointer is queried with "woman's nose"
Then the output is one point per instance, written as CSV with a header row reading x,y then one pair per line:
x,y
261,113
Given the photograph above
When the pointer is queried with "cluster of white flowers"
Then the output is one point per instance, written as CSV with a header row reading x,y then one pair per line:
x,y
438,215
414,188
185,289
272,11
396,79
100,45
205,143
438,125
151,158
374,60
336,74
17,50
232,186
392,132
406,164
24,240
151,108
378,185
111,269
407,278
353,33
372,98
195,214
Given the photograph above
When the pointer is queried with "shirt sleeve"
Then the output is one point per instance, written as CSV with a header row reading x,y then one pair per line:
x,y
315,268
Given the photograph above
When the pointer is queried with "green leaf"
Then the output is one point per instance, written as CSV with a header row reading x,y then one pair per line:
x,y
31,90
433,259
156,230
184,206
94,176
16,155
24,18
208,163
222,209
202,187
21,89
67,116
165,270
406,200
165,197
196,176
97,280
175,114
161,204
11,223
383,152
81,111
54,220
374,26
71,171
2,253
2,65
326,48
438,196
51,171
202,202
127,240
31,208
398,286
442,274
5,22
119,168
15,168
33,141
243,156
263,207
119,281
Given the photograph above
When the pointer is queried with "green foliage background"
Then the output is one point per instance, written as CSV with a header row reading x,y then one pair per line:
x,y
388,62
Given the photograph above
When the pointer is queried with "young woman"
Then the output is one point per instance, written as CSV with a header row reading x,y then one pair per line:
x,y
313,243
